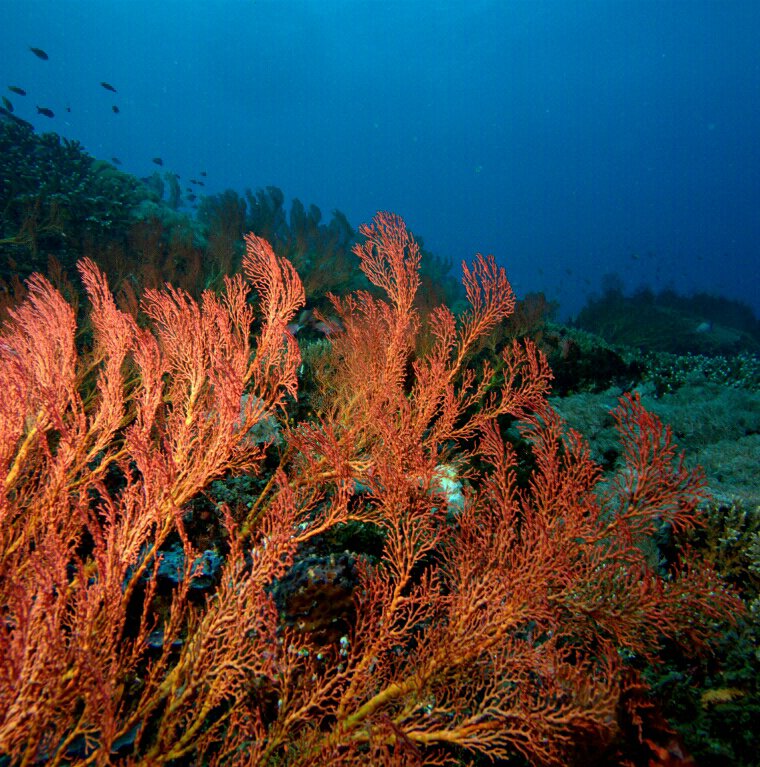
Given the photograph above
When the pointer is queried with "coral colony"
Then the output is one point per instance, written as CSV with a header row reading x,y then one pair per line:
x,y
418,565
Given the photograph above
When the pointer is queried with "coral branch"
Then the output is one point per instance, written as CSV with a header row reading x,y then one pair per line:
x,y
403,584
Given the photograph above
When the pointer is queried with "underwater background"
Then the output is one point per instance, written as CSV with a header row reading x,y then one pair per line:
x,y
573,140
606,153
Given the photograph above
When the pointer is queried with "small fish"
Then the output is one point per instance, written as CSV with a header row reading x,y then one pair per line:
x,y
115,109
39,53
158,161
16,89
203,173
192,197
116,161
45,111
7,104
108,87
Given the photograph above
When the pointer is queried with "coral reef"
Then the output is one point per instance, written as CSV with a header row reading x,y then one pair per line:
x,y
414,561
668,322
399,584
54,196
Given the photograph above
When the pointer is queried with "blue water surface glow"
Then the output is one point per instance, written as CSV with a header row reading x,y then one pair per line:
x,y
570,139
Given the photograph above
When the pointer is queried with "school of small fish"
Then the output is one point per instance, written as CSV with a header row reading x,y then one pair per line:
x,y
7,111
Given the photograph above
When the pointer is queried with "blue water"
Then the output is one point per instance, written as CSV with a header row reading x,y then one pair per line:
x,y
570,139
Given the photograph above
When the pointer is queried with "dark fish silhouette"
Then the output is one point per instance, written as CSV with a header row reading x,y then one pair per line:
x,y
109,87
116,161
45,111
39,53
115,109
158,161
7,104
16,89
196,182
203,173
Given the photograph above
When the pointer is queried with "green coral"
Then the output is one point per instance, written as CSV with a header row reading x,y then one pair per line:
x,y
54,196
669,372
715,704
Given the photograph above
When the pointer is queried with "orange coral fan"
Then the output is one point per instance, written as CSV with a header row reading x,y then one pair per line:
x,y
499,625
